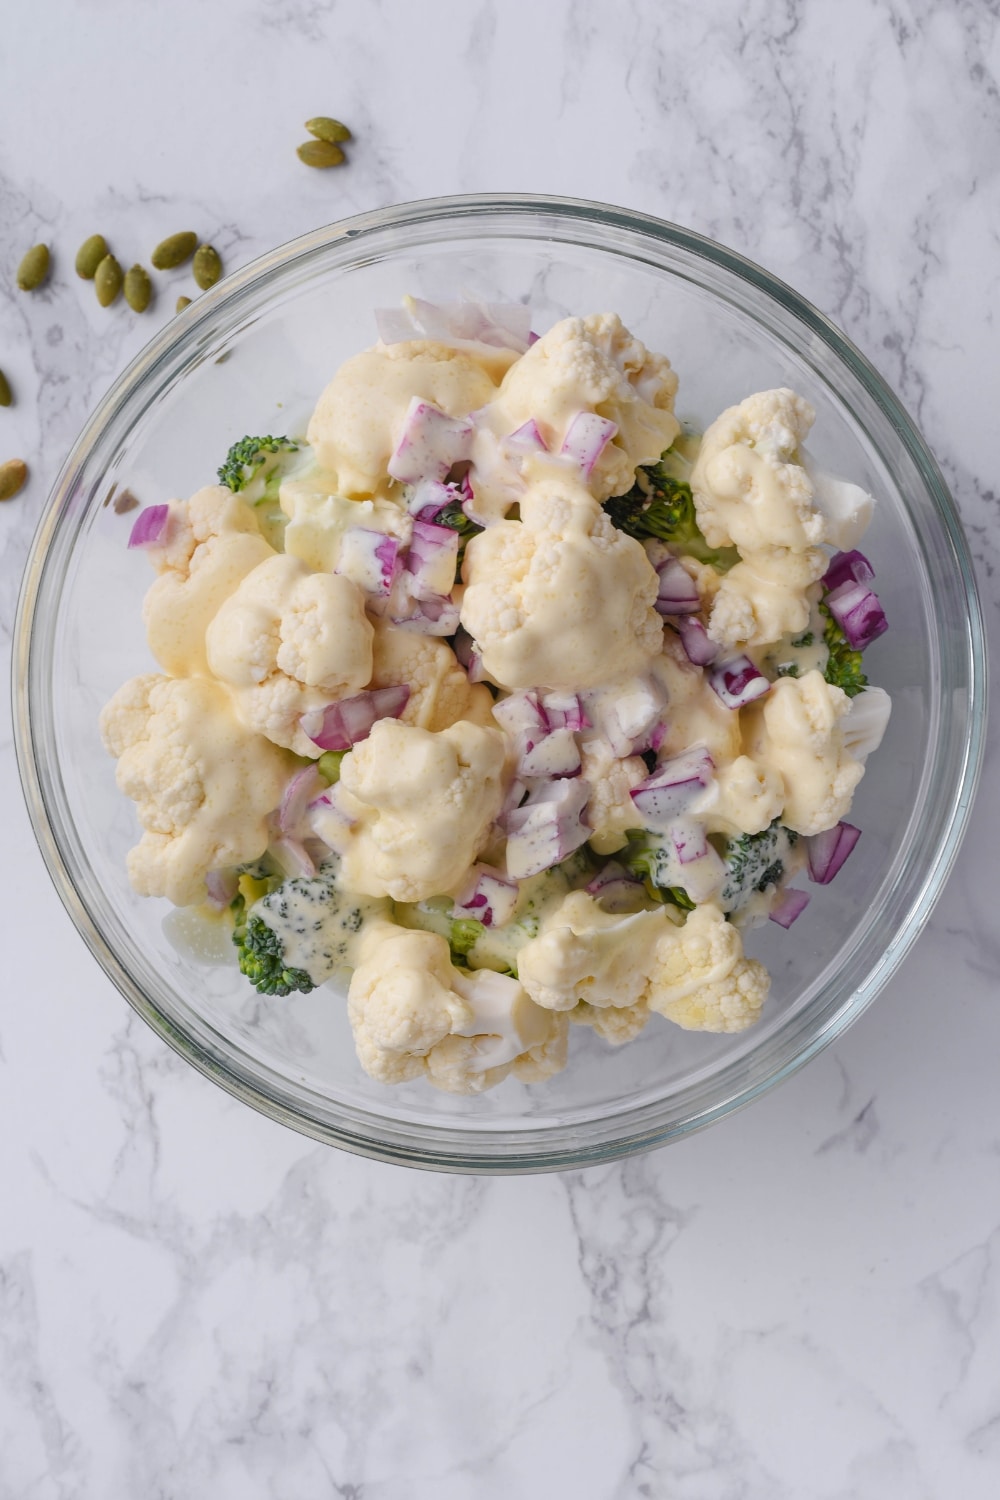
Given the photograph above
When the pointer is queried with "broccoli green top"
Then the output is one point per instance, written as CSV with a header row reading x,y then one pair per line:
x,y
843,667
247,458
261,955
653,858
454,517
753,862
661,505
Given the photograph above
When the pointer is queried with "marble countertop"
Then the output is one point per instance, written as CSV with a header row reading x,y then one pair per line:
x,y
802,1303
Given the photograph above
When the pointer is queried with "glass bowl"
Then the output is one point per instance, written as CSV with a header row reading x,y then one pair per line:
x,y
252,355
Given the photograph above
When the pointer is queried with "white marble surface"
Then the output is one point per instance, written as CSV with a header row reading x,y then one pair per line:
x,y
802,1303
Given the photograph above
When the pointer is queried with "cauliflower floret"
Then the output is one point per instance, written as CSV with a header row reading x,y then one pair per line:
x,y
560,598
357,420
289,641
585,953
610,811
796,731
203,787
593,364
213,542
415,1015
695,713
694,972
749,491
440,691
616,1024
768,595
742,797
422,806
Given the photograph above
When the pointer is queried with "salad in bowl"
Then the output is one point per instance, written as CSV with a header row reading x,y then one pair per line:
x,y
502,697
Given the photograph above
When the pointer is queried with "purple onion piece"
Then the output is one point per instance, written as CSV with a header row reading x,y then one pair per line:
x,y
555,754
673,787
429,444
300,791
586,439
149,529
221,887
564,711
688,837
431,559
348,721
548,828
489,896
293,858
369,559
677,594
526,439
858,613
847,567
790,905
827,851
738,682
695,639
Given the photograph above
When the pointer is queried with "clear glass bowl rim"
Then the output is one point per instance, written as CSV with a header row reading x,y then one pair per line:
x,y
535,1149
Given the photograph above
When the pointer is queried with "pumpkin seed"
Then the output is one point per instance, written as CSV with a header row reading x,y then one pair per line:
x,y
6,398
325,129
207,266
90,255
138,288
320,154
174,250
108,280
182,303
12,476
33,268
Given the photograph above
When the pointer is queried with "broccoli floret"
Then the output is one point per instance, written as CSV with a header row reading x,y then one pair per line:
x,y
660,505
261,956
652,857
753,862
463,937
247,458
843,668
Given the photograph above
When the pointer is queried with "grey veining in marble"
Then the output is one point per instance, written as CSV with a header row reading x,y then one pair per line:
x,y
802,1303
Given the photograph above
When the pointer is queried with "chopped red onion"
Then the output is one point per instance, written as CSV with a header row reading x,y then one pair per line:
x,y
695,639
533,338
221,887
547,828
671,790
368,558
858,613
431,558
428,498
300,791
526,439
349,721
431,616
827,851
293,858
564,711
689,839
586,439
555,754
522,717
677,594
627,715
738,682
150,527
430,443
488,896
790,905
615,889
847,567
513,798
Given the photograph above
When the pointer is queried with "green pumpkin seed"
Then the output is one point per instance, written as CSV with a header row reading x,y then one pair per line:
x,y
174,250
90,255
138,288
320,154
6,399
207,266
12,476
108,280
33,268
182,303
325,129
